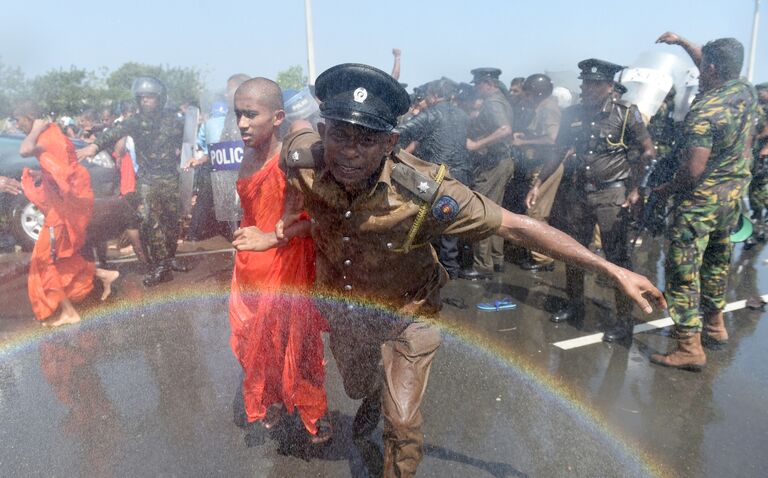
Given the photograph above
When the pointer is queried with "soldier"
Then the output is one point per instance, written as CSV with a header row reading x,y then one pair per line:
x,y
157,134
707,188
537,145
375,211
441,133
600,183
758,187
489,136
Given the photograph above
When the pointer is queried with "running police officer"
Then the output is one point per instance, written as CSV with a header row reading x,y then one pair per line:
x,y
376,210
157,134
600,182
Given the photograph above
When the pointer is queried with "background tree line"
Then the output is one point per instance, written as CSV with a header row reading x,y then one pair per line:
x,y
68,92
65,92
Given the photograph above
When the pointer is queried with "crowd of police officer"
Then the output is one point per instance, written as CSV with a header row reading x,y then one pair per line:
x,y
586,168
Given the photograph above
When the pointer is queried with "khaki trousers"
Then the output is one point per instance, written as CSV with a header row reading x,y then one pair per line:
x,y
543,206
377,355
491,184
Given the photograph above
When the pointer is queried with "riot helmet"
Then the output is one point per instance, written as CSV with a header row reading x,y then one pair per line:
x,y
149,85
538,86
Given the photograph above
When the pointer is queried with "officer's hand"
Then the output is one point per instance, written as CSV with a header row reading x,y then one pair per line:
x,y
670,38
86,152
532,196
252,238
639,289
517,139
471,145
9,185
632,198
294,206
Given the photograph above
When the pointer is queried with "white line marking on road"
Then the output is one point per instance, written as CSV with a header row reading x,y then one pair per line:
x,y
180,254
652,325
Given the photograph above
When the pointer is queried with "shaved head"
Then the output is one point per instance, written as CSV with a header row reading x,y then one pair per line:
x,y
262,90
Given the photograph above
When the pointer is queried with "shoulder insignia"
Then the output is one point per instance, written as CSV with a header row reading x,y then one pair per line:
x,y
445,209
301,153
420,185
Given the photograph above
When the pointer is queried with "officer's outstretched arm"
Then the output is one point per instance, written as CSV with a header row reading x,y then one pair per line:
x,y
543,238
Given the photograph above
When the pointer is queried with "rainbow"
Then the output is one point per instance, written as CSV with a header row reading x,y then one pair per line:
x,y
514,363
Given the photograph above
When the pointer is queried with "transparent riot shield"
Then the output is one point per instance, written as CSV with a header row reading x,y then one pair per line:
x,y
226,154
687,86
649,79
302,106
187,177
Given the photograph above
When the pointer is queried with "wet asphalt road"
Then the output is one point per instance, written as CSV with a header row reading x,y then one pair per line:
x,y
146,386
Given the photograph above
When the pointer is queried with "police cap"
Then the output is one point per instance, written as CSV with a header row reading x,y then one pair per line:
x,y
598,70
485,74
362,95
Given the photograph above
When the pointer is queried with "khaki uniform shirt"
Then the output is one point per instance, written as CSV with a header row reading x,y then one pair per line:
x,y
359,239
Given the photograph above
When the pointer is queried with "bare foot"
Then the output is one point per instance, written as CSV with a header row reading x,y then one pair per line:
x,y
65,317
107,277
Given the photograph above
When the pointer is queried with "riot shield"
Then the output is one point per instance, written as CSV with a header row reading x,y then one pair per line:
x,y
302,106
687,86
187,177
649,79
226,157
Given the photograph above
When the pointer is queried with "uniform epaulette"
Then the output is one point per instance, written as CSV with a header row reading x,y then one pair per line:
x,y
300,152
414,181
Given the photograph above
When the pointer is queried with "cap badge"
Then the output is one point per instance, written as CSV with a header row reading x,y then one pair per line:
x,y
423,187
295,156
360,95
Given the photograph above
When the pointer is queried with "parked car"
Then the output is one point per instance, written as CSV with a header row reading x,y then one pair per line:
x,y
27,220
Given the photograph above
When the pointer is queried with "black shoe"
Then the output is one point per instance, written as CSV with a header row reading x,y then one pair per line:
x,y
621,332
498,268
158,275
367,417
528,265
324,431
474,275
750,243
177,266
571,312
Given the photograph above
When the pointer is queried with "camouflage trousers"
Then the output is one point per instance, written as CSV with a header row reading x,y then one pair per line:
x,y
698,260
758,196
160,219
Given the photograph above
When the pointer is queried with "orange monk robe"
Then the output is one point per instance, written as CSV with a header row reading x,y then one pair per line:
x,y
276,330
127,174
57,270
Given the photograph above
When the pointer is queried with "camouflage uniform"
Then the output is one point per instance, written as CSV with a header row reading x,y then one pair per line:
x,y
158,139
758,188
699,254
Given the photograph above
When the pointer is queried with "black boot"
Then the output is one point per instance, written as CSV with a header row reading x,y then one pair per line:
x,y
367,417
573,312
159,274
176,266
621,332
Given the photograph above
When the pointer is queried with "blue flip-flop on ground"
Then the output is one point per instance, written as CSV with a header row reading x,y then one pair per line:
x,y
503,304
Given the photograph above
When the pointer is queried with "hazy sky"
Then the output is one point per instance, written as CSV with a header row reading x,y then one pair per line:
x,y
445,37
